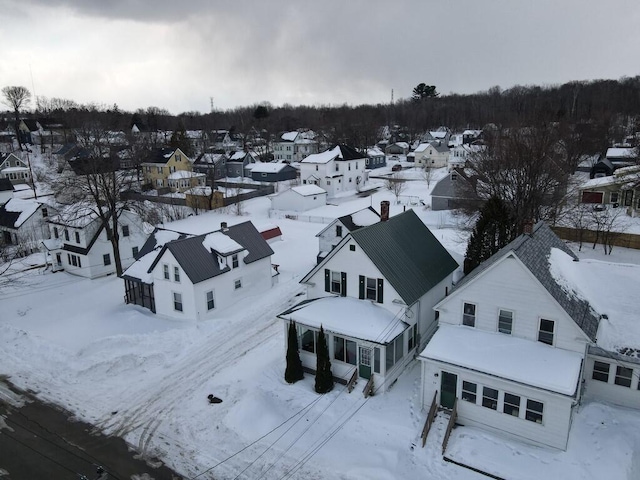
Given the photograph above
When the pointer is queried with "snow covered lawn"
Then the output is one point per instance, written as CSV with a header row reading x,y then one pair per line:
x,y
135,374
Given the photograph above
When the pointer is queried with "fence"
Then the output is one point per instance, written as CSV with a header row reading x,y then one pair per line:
x,y
627,240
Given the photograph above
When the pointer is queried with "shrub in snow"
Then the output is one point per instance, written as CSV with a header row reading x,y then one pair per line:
x,y
294,371
324,377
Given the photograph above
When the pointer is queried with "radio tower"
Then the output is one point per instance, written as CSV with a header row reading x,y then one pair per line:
x,y
392,96
211,98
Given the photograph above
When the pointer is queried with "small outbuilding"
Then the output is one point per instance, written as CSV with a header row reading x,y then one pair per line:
x,y
273,172
299,199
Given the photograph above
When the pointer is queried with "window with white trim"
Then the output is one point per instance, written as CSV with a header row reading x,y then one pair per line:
x,y
511,404
210,303
505,321
106,259
600,372
177,301
490,398
623,376
237,284
546,331
344,350
176,274
534,411
307,339
469,391
234,261
165,270
469,315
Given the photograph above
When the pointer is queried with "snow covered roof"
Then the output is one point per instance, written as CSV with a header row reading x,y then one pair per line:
x,y
289,136
194,255
507,357
374,152
624,177
220,243
17,211
267,167
367,320
353,221
421,148
611,290
621,152
308,190
339,152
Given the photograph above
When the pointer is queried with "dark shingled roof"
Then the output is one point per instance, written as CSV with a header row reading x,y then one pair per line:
x,y
8,219
407,254
157,155
349,153
200,264
534,250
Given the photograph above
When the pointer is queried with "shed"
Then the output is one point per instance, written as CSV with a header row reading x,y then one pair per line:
x,y
299,199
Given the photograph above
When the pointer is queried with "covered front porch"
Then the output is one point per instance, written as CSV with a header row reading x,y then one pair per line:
x,y
362,338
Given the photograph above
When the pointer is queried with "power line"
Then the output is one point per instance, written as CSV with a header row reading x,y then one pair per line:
x,y
92,460
40,453
255,441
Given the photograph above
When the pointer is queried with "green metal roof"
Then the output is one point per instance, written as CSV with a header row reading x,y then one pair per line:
x,y
407,254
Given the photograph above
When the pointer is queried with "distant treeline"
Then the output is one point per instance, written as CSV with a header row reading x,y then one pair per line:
x,y
609,108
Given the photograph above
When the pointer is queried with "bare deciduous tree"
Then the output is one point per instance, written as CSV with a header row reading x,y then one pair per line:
x,y
16,97
396,184
97,184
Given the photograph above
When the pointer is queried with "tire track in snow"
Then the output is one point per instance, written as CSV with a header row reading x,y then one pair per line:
x,y
236,339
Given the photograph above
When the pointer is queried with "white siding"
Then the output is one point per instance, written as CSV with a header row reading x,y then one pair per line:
x,y
355,263
509,285
557,413
329,238
609,391
292,201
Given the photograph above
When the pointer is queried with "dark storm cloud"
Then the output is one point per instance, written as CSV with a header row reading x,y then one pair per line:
x,y
241,52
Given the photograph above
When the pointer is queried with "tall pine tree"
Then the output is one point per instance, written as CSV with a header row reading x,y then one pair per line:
x,y
324,377
494,229
294,371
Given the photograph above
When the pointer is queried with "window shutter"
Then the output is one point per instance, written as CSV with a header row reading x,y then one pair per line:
x,y
343,286
327,280
361,294
380,288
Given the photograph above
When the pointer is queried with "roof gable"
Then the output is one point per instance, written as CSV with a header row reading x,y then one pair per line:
x,y
407,254
200,264
533,251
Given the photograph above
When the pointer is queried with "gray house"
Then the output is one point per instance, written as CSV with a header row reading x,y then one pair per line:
x,y
456,190
273,172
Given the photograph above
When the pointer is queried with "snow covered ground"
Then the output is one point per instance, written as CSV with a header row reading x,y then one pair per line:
x,y
147,378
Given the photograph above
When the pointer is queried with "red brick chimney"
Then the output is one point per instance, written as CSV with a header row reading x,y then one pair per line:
x,y
384,210
527,228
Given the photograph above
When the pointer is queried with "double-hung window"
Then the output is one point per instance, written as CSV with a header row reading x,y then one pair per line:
x,y
600,372
534,411
623,376
210,302
177,301
469,391
546,331
490,398
511,404
469,315
234,261
165,270
505,321
176,274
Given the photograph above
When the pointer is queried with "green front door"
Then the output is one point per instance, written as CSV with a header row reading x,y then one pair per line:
x,y
448,385
364,369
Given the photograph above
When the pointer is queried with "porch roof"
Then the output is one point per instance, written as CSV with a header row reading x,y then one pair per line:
x,y
361,319
516,359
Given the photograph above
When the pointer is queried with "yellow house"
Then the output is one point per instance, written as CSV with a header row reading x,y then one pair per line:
x,y
162,163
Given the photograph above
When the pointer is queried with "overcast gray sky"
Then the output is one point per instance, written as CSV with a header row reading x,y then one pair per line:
x,y
178,54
